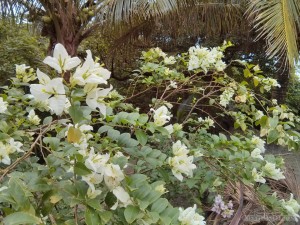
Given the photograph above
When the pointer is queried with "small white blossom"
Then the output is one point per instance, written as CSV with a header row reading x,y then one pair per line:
x,y
271,171
95,99
92,179
161,116
189,216
123,198
182,164
21,69
259,143
113,175
90,72
292,207
33,118
179,149
61,61
258,177
226,96
256,153
169,60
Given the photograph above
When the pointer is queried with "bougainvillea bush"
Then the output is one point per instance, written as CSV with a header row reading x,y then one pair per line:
x,y
76,152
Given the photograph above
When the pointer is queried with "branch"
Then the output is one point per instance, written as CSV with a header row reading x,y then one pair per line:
x,y
27,154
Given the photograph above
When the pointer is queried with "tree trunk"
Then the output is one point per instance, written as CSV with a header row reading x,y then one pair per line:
x,y
280,94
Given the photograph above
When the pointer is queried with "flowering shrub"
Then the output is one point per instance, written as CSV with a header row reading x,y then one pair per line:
x,y
76,153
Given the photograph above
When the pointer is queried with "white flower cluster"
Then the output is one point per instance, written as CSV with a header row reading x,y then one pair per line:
x,y
189,216
206,59
226,96
112,175
206,121
33,118
101,168
161,116
292,207
181,163
219,207
23,74
267,83
269,170
89,75
3,105
153,54
11,146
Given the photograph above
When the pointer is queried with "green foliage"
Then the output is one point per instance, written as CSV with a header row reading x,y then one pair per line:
x,y
18,46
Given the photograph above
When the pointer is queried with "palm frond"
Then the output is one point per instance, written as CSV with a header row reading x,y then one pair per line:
x,y
278,22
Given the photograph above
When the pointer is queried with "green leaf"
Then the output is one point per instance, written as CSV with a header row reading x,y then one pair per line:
x,y
21,218
81,169
272,136
52,141
92,217
143,119
141,136
131,213
159,205
76,114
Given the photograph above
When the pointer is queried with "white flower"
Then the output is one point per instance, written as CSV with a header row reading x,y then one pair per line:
x,y
256,153
258,177
220,65
170,129
96,162
259,143
61,61
4,154
258,114
179,149
270,170
95,99
173,84
92,179
3,105
93,193
193,63
51,90
15,146
123,198
113,175
169,60
292,207
190,217
226,96
21,69
33,118
90,72
182,164
161,116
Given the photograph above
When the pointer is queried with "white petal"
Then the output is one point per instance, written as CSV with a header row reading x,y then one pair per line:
x,y
57,104
57,85
121,194
60,52
104,92
71,63
43,78
53,62
94,79
37,91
